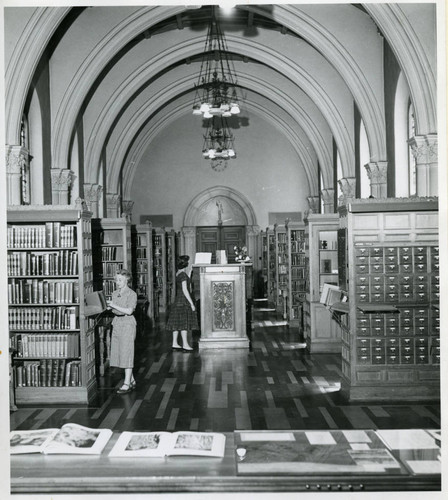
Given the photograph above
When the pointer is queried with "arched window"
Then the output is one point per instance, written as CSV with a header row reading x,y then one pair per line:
x,y
411,159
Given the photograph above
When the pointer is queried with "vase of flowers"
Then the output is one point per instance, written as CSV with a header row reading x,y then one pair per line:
x,y
241,254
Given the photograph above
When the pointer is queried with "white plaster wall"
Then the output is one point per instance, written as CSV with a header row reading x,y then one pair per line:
x,y
269,177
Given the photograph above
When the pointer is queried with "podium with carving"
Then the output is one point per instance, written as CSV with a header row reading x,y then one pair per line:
x,y
223,305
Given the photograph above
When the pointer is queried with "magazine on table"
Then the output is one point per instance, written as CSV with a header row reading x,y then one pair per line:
x,y
160,444
70,439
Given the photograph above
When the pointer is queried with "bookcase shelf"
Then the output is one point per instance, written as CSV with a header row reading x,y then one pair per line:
x,y
172,240
144,266
50,269
113,251
160,271
271,267
321,330
296,237
390,267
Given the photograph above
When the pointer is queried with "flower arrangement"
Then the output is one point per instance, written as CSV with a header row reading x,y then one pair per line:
x,y
241,254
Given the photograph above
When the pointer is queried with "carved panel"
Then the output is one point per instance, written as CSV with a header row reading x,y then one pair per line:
x,y
223,305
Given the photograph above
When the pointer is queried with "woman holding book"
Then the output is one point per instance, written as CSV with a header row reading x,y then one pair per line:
x,y
183,311
122,305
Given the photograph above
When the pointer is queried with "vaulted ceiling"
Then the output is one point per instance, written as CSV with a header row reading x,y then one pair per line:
x,y
121,75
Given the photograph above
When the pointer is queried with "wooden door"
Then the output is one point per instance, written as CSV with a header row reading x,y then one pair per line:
x,y
232,236
212,238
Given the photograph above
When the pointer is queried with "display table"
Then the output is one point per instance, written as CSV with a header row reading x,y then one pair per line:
x,y
223,306
346,461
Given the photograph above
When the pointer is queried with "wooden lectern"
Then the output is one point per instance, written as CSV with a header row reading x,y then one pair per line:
x,y
223,305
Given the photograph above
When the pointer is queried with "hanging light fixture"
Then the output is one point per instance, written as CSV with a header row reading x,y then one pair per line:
x,y
218,140
216,86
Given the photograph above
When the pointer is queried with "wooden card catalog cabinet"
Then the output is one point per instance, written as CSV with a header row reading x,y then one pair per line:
x,y
223,306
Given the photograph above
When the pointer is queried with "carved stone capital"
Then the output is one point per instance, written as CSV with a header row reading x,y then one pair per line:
x,y
127,206
92,193
189,231
328,196
252,230
61,179
17,158
424,148
377,172
348,185
313,203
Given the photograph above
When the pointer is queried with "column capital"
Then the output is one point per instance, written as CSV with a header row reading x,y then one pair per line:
x,y
328,200
17,157
126,207
313,204
92,192
113,201
424,148
61,178
348,188
377,174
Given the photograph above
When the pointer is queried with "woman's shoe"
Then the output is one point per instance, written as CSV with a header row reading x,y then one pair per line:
x,y
187,349
124,389
176,348
133,385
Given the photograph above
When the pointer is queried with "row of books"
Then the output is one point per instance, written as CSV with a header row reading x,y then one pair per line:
x,y
45,345
43,318
48,373
297,272
62,262
48,235
112,253
141,253
34,291
298,286
297,235
297,246
110,268
142,266
298,259
108,287
141,240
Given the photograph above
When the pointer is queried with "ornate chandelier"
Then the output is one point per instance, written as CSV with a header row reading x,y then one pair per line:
x,y
218,140
216,86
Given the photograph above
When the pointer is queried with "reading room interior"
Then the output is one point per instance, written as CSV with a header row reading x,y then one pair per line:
x,y
222,233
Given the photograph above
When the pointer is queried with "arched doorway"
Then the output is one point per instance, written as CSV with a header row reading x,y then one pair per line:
x,y
220,216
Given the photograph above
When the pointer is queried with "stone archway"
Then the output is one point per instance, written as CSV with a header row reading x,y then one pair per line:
x,y
220,204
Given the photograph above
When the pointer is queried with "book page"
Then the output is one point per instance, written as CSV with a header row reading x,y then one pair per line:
x,y
141,444
74,438
30,441
407,439
208,444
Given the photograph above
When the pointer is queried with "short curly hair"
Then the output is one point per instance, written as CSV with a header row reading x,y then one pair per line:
x,y
125,272
182,261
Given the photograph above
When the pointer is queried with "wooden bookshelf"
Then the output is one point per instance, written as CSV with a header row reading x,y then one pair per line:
x,y
297,272
271,266
144,280
113,251
50,270
322,333
160,271
172,239
281,270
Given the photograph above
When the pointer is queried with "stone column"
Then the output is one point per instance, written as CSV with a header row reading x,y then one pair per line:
x,y
252,236
348,185
188,242
314,204
126,208
113,201
92,194
424,149
328,199
377,173
17,166
61,179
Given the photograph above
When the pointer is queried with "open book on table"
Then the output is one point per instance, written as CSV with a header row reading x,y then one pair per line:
x,y
160,444
70,438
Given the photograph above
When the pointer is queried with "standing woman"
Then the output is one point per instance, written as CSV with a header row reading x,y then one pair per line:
x,y
122,305
183,312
